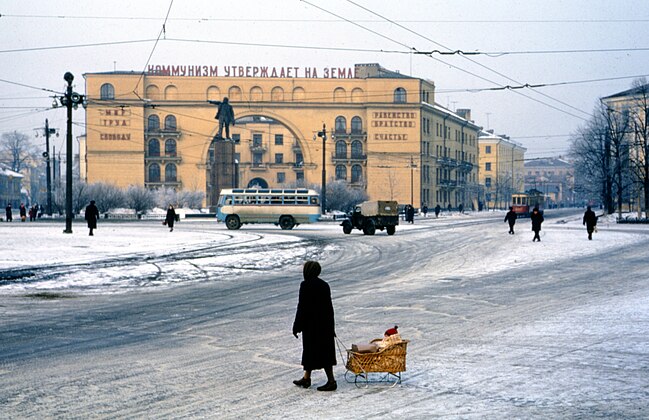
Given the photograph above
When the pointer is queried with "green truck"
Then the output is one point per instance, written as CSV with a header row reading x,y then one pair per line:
x,y
372,215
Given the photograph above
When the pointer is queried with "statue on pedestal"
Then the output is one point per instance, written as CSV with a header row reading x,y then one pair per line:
x,y
225,115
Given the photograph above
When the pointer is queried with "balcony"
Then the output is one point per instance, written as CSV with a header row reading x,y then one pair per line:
x,y
256,147
344,158
465,166
258,166
160,184
162,132
448,184
163,159
447,162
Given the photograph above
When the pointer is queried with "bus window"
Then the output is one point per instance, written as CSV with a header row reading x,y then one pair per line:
x,y
238,199
275,199
302,199
227,200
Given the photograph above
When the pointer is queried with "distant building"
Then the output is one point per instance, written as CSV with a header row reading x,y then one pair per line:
x,y
555,177
501,168
386,133
10,188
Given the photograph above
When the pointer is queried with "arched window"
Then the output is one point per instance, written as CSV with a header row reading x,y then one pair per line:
x,y
170,123
154,172
341,149
341,124
400,96
170,172
170,147
357,174
107,91
357,150
153,123
341,172
154,148
357,125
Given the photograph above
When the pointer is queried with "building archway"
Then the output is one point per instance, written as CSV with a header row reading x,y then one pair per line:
x,y
257,183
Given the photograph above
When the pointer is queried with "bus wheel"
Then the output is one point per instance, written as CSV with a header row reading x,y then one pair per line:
x,y
286,222
390,230
233,222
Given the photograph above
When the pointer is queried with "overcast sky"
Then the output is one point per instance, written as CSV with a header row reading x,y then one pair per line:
x,y
341,33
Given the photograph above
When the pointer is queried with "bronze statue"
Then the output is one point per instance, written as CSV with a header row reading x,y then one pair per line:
x,y
225,115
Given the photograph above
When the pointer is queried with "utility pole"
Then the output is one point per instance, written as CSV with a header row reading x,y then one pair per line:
x,y
69,100
48,131
323,198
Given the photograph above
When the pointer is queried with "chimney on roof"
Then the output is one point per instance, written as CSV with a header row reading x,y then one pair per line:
x,y
464,113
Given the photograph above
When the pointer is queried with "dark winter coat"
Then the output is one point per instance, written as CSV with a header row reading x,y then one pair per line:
x,y
537,219
315,320
171,217
23,211
510,217
590,220
92,214
8,213
225,113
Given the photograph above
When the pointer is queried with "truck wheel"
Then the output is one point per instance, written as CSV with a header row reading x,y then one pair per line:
x,y
233,222
347,228
286,222
369,228
390,230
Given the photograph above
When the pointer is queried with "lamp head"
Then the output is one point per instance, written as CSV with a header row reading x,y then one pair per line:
x,y
68,77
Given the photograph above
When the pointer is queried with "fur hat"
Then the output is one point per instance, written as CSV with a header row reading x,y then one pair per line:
x,y
391,331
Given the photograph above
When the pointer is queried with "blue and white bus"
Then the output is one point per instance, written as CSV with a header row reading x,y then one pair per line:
x,y
286,208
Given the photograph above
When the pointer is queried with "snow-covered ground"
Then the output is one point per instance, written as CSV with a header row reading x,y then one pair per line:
x,y
140,322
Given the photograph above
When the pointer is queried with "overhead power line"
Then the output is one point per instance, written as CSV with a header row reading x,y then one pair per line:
x,y
235,19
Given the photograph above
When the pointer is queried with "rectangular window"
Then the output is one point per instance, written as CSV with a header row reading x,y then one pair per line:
x,y
487,182
256,159
256,139
279,139
281,177
299,176
299,159
487,149
279,158
487,166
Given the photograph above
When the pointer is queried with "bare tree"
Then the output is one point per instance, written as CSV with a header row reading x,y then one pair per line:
x,y
639,156
190,199
139,198
16,150
341,197
106,196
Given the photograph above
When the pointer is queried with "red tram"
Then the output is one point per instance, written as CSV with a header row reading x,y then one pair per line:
x,y
524,203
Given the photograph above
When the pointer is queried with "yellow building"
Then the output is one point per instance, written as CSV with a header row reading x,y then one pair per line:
x,y
385,133
502,169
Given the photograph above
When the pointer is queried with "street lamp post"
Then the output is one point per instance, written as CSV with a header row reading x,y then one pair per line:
x,y
48,131
323,198
69,100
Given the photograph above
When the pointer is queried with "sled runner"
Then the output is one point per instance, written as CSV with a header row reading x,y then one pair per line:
x,y
384,365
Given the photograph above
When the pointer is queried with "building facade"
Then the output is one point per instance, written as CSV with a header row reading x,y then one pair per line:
x,y
385,134
555,177
501,169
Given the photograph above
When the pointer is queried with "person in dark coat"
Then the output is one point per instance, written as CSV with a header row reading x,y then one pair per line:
x,y
590,221
92,215
410,215
511,218
438,210
225,115
424,209
537,219
315,320
23,212
170,218
8,213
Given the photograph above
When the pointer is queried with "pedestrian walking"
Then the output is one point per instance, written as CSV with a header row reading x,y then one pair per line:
x,y
32,213
315,320
410,213
438,210
92,215
449,208
461,208
8,213
170,218
23,212
590,221
537,219
510,217
424,209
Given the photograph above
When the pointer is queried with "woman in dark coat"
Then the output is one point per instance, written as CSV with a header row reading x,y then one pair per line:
x,y
315,320
537,219
170,218
92,214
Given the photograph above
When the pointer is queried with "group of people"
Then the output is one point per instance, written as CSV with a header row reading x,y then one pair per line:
x,y
34,212
589,220
92,216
